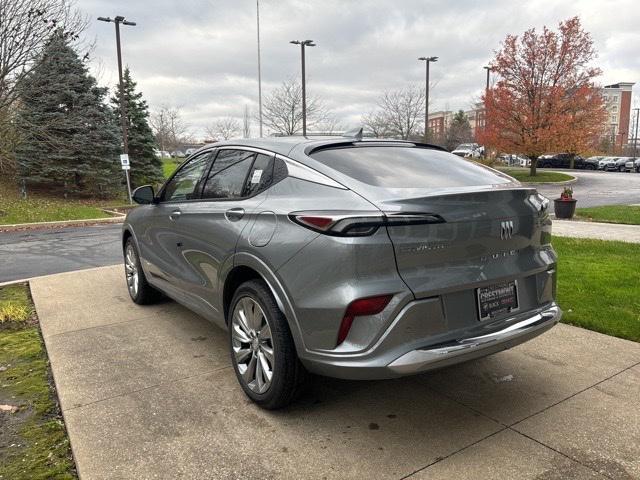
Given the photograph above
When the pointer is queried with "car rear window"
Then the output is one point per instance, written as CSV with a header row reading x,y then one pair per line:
x,y
407,167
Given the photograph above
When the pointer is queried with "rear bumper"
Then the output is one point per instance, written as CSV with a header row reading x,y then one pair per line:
x,y
465,349
380,365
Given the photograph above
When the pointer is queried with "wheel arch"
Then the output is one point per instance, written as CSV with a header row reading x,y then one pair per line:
x,y
249,267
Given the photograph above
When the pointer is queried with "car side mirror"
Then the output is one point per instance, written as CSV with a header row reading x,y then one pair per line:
x,y
144,195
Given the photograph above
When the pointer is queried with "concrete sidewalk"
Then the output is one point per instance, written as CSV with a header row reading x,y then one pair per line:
x,y
599,231
148,392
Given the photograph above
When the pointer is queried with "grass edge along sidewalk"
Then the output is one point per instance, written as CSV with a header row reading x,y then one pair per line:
x,y
598,285
37,445
625,214
542,176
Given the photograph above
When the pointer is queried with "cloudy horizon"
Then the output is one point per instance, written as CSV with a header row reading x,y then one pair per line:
x,y
202,56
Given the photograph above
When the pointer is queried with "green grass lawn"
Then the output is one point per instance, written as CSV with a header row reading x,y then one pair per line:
x,y
169,165
522,175
598,285
35,443
610,214
38,207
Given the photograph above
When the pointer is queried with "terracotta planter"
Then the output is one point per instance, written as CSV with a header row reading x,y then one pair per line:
x,y
564,208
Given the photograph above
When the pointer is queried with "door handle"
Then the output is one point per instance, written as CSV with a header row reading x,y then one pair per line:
x,y
234,214
175,215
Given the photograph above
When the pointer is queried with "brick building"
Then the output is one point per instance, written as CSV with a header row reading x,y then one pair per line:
x,y
617,97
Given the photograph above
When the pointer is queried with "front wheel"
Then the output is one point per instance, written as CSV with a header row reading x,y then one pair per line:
x,y
139,289
262,349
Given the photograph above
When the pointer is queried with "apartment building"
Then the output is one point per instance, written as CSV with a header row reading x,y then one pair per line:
x,y
617,98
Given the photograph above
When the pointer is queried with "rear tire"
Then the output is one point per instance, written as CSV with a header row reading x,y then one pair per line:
x,y
263,353
139,289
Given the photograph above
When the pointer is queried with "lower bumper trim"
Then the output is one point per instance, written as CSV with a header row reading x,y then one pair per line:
x,y
473,347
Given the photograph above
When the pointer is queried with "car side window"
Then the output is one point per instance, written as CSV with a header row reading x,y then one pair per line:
x,y
260,176
185,184
228,175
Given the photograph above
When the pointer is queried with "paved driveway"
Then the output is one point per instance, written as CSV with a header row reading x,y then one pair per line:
x,y
31,253
147,392
599,188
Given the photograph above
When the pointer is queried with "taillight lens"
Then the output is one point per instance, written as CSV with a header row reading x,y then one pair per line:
x,y
358,224
360,308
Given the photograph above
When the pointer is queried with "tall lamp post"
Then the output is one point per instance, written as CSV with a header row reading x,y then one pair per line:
x,y
303,43
259,68
123,108
427,61
486,92
635,140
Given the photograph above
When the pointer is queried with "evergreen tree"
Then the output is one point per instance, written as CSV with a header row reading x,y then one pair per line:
x,y
145,166
70,137
459,131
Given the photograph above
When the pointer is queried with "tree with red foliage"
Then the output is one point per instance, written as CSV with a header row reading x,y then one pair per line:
x,y
545,99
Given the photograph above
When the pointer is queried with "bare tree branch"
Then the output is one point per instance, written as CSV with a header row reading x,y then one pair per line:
x,y
169,128
224,129
25,27
400,113
282,109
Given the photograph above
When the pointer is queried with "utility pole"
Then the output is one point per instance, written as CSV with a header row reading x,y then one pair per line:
x,y
259,68
123,108
427,60
486,92
303,43
635,140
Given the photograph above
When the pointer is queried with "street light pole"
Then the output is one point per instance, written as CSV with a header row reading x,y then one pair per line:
x,y
486,92
303,43
259,68
635,140
427,60
123,108
488,69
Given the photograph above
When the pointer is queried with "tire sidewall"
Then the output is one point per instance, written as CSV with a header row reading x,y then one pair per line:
x,y
274,318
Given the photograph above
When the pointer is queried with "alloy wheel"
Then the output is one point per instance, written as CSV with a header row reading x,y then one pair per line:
x,y
252,344
131,270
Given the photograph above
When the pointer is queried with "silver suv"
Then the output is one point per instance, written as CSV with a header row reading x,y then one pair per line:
x,y
349,258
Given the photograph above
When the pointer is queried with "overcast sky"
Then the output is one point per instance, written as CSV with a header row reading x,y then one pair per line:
x,y
201,55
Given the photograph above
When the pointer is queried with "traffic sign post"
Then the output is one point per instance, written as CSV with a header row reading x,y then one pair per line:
x,y
124,161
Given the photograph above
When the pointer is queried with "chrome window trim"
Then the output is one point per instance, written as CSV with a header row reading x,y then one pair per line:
x,y
295,169
303,172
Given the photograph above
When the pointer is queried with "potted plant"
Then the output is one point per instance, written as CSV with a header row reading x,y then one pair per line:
x,y
565,206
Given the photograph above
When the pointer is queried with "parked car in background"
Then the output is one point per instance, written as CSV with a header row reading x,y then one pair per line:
x,y
468,150
177,154
190,151
161,153
345,257
592,163
602,163
617,164
562,160
515,160
632,165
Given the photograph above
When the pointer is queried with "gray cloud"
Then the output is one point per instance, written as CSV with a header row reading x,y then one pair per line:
x,y
202,55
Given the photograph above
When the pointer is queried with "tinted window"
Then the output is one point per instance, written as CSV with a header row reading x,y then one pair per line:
x,y
228,174
261,175
407,167
185,185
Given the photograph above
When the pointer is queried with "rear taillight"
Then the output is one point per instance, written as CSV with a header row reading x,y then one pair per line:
x,y
358,224
360,308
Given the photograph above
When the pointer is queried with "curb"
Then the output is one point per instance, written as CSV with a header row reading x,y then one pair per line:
x,y
27,280
63,223
566,182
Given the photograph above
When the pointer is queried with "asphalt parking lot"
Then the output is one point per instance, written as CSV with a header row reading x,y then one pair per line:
x,y
595,188
148,392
